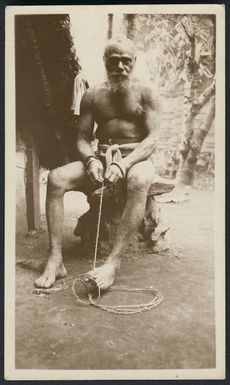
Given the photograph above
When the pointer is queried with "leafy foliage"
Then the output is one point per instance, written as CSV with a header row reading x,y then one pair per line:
x,y
165,44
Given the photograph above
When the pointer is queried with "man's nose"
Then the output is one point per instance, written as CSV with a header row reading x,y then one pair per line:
x,y
120,64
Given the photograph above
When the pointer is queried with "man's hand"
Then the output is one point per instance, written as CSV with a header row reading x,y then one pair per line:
x,y
95,170
116,171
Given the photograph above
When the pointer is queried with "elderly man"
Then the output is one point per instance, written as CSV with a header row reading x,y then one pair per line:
x,y
125,111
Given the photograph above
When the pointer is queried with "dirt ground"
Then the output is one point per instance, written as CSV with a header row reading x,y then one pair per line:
x,y
54,332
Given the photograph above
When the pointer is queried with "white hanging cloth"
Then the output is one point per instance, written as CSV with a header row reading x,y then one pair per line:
x,y
79,88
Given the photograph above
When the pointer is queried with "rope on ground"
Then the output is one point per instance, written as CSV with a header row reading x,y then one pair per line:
x,y
119,309
115,309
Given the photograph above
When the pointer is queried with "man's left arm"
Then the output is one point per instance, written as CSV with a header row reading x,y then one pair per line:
x,y
151,125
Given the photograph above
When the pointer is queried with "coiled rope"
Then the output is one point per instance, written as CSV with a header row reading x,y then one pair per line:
x,y
119,309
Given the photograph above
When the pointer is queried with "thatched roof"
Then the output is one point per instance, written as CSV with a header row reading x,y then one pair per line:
x,y
46,65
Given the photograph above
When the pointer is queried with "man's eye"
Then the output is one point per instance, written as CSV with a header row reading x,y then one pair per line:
x,y
126,61
113,61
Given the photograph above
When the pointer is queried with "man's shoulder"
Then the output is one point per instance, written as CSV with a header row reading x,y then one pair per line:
x,y
95,90
149,93
92,94
145,87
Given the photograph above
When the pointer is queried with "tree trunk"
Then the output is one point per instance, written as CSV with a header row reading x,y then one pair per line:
x,y
187,168
188,100
191,142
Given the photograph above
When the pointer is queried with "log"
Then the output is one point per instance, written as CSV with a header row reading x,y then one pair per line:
x,y
151,231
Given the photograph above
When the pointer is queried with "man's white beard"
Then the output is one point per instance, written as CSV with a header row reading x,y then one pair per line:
x,y
119,86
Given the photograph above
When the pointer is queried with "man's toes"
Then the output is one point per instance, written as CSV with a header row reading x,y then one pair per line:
x,y
93,274
103,283
48,283
38,282
98,281
102,286
44,282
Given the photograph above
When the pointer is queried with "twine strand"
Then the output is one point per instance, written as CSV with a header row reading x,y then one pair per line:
x,y
98,226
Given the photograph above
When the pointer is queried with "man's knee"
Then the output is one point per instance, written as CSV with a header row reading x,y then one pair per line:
x,y
139,178
56,180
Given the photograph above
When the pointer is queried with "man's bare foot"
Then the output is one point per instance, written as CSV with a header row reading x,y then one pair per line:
x,y
52,272
105,275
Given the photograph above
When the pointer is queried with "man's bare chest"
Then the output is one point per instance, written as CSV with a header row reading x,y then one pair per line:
x,y
127,107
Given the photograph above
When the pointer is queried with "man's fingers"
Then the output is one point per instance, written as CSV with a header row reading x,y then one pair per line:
x,y
100,178
112,178
93,177
107,174
112,174
101,175
96,172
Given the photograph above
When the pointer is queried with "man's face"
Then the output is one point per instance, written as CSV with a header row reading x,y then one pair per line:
x,y
119,63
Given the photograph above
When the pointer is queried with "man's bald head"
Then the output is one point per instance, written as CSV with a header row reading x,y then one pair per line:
x,y
120,44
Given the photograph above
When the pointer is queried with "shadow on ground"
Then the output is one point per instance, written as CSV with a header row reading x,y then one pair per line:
x,y
54,332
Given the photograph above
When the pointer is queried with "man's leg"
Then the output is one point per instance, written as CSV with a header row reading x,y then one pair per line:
x,y
69,177
139,179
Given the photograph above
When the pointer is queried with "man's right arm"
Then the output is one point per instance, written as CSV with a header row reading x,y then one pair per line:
x,y
86,124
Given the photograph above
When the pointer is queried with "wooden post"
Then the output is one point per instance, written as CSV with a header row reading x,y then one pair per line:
x,y
130,20
110,26
32,187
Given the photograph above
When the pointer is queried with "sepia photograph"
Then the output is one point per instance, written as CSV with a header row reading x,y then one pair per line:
x,y
115,192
